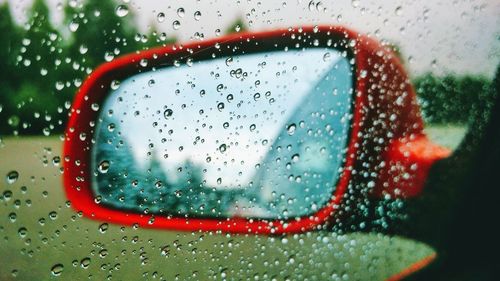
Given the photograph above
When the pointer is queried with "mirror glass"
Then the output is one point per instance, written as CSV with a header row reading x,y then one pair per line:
x,y
259,135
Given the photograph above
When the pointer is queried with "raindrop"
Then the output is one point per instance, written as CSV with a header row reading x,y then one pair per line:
x,y
108,56
230,97
22,232
176,25
59,85
103,228
57,269
7,195
12,177
73,26
398,11
121,11
94,107
115,84
197,15
168,113
225,125
83,49
165,251
291,129
12,217
181,12
220,106
327,56
220,87
84,263
111,127
222,148
160,17
103,166
53,215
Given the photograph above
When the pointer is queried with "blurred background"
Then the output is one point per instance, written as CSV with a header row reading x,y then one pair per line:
x,y
48,47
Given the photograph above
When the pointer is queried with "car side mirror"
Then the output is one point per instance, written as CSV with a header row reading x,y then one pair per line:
x,y
263,133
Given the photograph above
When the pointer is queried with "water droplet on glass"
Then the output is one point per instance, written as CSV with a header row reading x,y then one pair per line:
x,y
103,227
181,12
108,56
161,17
121,11
7,195
222,148
168,113
327,56
53,215
111,127
12,177
197,15
220,106
83,49
12,217
115,84
103,166
398,11
84,263
22,232
73,26
291,129
57,269
94,107
176,25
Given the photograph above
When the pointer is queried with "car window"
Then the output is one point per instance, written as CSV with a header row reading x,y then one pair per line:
x,y
236,134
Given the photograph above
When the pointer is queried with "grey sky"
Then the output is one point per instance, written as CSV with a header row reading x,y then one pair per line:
x,y
451,35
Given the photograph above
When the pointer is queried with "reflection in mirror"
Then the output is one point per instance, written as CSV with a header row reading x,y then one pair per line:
x,y
260,135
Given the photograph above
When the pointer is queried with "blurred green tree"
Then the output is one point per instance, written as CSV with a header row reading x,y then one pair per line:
x,y
36,103
100,31
9,76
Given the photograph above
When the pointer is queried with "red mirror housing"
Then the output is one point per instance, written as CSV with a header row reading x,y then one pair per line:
x,y
386,129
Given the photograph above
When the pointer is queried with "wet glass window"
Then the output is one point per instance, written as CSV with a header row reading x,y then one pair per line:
x,y
249,140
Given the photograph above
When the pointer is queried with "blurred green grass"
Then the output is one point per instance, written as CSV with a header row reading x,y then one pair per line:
x,y
125,253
